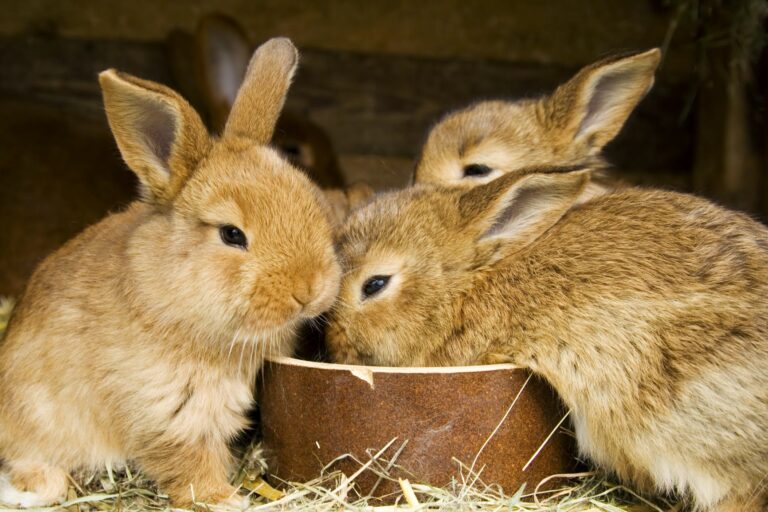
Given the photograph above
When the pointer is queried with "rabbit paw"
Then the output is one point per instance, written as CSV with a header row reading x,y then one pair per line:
x,y
224,499
235,502
33,485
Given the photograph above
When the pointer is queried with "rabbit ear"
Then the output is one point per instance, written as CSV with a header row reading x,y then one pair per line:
x,y
593,105
261,97
160,136
223,52
516,210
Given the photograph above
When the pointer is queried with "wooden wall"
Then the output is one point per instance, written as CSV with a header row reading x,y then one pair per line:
x,y
375,75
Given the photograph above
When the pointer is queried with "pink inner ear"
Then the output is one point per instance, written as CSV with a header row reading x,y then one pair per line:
x,y
227,66
609,93
515,209
157,124
231,78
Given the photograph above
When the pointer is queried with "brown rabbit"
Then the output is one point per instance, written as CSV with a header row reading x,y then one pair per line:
x,y
569,127
211,64
219,52
141,337
646,310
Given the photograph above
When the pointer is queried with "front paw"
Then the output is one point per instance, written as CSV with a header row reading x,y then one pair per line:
x,y
221,498
32,485
496,358
235,502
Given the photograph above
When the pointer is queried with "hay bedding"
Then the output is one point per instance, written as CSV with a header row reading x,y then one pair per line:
x,y
128,490
586,492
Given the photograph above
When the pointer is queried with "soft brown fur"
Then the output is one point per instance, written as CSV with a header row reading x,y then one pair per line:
x,y
569,127
219,53
141,337
646,310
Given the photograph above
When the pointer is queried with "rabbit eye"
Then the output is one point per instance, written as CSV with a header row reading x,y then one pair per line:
x,y
291,150
232,235
374,285
477,170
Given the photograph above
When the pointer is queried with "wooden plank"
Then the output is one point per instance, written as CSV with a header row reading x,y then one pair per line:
x,y
369,104
559,32
729,162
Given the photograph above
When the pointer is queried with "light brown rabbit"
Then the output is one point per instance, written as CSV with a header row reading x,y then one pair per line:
x,y
569,127
141,337
211,64
646,310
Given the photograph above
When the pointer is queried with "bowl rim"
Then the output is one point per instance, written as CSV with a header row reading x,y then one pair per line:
x,y
362,369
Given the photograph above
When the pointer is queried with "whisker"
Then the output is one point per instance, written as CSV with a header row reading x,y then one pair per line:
x,y
339,304
232,345
240,361
254,352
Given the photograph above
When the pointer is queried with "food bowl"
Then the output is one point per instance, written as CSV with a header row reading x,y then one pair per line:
x,y
497,420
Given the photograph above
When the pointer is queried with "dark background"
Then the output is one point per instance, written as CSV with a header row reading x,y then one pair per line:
x,y
375,75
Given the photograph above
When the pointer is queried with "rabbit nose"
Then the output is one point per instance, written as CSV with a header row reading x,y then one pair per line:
x,y
304,293
316,292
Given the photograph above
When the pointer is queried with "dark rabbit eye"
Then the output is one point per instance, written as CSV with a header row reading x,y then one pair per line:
x,y
374,285
477,171
291,150
232,235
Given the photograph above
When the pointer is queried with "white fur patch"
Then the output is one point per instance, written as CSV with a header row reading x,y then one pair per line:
x,y
668,473
235,502
11,496
684,477
584,440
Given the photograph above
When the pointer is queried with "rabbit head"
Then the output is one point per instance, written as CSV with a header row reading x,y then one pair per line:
x,y
236,238
413,257
569,127
221,54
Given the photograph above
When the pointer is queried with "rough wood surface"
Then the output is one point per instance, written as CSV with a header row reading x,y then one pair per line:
x,y
369,104
560,32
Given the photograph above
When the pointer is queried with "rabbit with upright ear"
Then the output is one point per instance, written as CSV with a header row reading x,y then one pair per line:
x,y
219,52
141,337
569,127
646,310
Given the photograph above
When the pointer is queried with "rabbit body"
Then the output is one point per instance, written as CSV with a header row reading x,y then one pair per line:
x,y
645,310
83,385
140,338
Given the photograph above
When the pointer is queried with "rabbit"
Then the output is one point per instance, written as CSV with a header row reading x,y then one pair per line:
x,y
209,66
646,310
569,127
139,340
219,52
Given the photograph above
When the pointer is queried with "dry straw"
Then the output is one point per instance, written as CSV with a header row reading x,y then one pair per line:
x,y
129,491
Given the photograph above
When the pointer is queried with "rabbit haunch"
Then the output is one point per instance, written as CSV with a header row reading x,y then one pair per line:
x,y
141,337
645,309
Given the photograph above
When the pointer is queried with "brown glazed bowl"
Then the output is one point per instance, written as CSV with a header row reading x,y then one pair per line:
x,y
312,413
